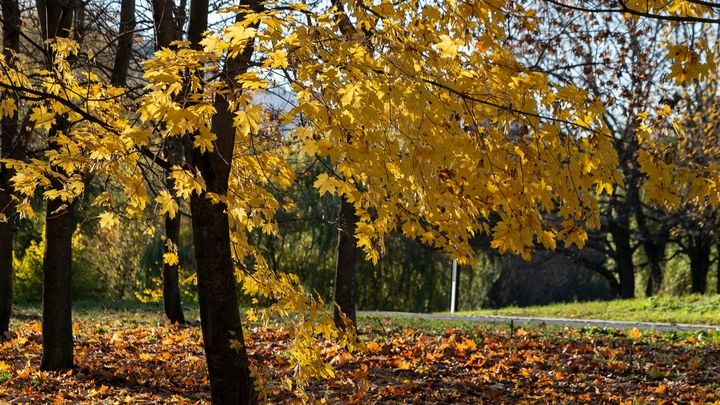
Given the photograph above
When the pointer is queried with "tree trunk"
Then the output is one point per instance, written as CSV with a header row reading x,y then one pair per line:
x,y
173,151
12,146
346,261
170,282
6,237
163,23
230,380
655,251
56,302
198,20
56,21
125,43
717,265
624,267
699,252
653,241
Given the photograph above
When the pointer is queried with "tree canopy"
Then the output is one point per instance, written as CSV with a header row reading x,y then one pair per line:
x,y
422,113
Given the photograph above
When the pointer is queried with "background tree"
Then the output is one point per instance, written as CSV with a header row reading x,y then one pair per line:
x,y
622,62
697,222
12,146
56,22
165,33
228,366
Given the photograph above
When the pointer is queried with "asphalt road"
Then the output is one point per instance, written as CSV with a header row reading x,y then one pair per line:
x,y
575,323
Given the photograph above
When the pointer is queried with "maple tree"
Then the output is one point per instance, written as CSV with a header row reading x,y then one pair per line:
x,y
56,23
165,34
632,65
429,121
621,61
695,224
69,105
12,142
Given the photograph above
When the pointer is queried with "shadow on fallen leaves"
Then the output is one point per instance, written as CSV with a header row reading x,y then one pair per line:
x,y
118,363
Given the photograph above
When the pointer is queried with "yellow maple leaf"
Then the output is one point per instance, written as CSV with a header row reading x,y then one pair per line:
x,y
325,184
236,345
167,204
171,259
448,46
108,220
42,117
204,139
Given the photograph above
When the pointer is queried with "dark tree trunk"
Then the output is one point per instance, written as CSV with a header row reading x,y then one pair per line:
x,y
198,20
346,261
653,241
11,146
163,23
125,43
230,380
56,19
345,270
699,253
6,236
717,265
173,150
624,267
170,282
655,251
56,302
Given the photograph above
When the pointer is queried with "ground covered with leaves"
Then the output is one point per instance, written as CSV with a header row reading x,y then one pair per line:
x,y
124,357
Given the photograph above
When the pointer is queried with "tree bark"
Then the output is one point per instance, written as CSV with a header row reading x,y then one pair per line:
x,y
198,20
230,380
125,43
699,252
624,267
56,21
7,208
11,146
173,151
655,251
57,275
170,282
163,23
717,265
345,270
653,241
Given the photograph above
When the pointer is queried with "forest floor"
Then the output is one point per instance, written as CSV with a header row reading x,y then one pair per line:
x,y
129,355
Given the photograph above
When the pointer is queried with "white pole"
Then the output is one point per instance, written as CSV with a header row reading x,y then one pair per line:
x,y
453,286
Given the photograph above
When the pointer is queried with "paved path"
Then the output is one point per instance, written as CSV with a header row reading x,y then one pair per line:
x,y
575,323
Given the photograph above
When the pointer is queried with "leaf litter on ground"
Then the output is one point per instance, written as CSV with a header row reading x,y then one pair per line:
x,y
129,362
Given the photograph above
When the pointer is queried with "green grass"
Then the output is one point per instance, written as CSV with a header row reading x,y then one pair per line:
x,y
106,313
693,309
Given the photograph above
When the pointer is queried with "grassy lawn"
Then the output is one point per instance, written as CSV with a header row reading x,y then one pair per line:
x,y
694,309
